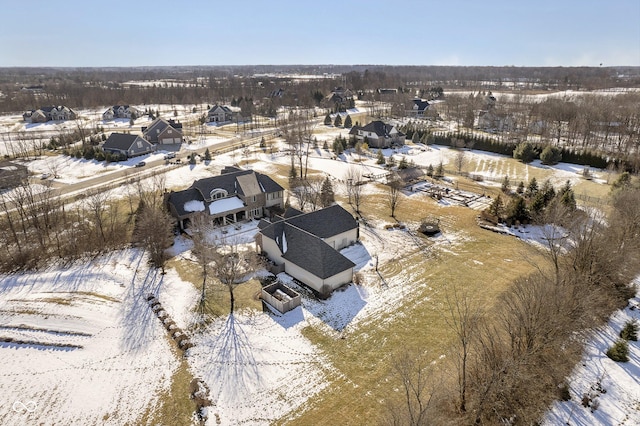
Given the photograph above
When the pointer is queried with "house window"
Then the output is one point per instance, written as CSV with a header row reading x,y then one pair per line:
x,y
169,132
139,144
217,194
256,212
254,199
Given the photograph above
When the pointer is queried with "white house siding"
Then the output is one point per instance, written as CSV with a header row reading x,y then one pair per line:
x,y
317,283
342,240
272,250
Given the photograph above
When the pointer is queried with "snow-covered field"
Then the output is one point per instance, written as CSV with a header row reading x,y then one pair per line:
x,y
85,348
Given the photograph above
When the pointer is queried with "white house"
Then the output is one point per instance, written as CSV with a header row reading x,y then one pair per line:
x,y
307,246
121,111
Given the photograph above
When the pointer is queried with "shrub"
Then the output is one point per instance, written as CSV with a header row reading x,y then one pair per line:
x,y
524,152
619,352
630,331
551,155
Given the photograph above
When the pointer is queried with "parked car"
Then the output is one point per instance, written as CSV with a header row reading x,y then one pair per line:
x,y
45,176
141,164
170,156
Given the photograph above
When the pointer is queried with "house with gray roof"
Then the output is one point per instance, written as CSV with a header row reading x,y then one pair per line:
x,y
230,197
127,145
308,244
48,113
378,134
121,111
419,108
163,132
222,114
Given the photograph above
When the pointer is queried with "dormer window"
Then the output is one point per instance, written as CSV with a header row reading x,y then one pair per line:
x,y
217,194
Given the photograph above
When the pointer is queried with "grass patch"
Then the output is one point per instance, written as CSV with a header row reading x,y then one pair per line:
x,y
217,295
483,264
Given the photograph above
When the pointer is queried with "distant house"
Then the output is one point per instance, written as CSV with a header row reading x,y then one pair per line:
x,y
127,145
495,120
121,111
419,108
378,134
230,197
12,174
341,98
307,244
163,132
49,113
223,114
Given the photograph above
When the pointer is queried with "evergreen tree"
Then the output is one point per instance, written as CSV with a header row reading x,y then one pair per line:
x,y
567,196
551,155
192,159
518,210
348,123
524,152
325,145
506,185
327,120
430,171
440,170
403,163
327,196
532,189
497,208
415,138
520,188
338,121
380,159
263,144
207,155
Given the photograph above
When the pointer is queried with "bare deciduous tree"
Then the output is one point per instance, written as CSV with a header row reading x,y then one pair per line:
x,y
393,195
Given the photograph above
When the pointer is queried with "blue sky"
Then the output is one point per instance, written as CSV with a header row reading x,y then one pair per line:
x,y
393,32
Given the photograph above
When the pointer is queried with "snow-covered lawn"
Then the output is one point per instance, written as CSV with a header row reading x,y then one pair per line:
x,y
92,351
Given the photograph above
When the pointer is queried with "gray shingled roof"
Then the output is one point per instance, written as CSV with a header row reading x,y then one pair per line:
x,y
178,199
121,141
378,127
325,223
312,254
228,182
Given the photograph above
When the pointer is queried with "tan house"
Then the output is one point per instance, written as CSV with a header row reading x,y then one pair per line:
x,y
233,196
307,246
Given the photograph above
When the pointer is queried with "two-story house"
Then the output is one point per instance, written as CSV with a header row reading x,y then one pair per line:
x,y
378,134
221,114
232,196
163,132
121,111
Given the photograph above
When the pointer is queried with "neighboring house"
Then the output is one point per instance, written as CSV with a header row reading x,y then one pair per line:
x,y
233,196
163,132
12,174
340,97
121,111
419,109
223,114
127,145
49,113
494,120
378,134
308,244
